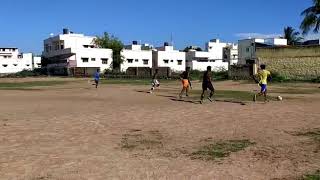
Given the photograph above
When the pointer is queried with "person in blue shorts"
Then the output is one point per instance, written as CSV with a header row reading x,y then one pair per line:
x,y
96,78
264,76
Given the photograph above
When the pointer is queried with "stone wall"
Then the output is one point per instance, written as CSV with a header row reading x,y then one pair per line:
x,y
302,62
240,72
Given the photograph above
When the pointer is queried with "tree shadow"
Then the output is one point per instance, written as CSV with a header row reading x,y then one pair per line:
x,y
185,101
140,91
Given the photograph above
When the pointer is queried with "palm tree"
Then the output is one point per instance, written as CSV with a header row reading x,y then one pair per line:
x,y
292,35
311,18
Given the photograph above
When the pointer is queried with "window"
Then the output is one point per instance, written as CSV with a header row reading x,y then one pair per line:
x,y
93,59
15,64
4,65
85,60
166,61
56,45
28,65
130,60
47,47
104,60
202,60
9,57
13,50
179,62
137,60
146,61
86,46
5,57
247,49
171,60
61,44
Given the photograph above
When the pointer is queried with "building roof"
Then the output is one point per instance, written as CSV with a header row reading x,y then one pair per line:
x,y
8,47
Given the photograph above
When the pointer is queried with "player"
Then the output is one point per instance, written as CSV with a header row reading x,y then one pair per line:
x,y
155,83
264,76
96,78
186,83
207,84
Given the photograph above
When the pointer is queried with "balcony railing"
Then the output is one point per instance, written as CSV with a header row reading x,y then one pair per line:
x,y
57,53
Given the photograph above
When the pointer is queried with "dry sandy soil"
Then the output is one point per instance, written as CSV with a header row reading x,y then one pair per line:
x,y
75,132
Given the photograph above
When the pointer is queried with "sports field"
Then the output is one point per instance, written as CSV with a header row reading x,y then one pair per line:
x,y
54,128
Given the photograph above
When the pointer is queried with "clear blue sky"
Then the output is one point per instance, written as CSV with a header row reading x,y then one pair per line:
x,y
26,23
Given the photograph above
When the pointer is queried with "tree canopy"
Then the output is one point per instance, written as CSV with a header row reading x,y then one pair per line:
x,y
292,35
193,48
311,19
111,42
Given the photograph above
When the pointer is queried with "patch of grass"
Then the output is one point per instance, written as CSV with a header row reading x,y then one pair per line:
x,y
27,85
314,134
220,149
132,81
147,140
125,144
233,95
314,176
296,91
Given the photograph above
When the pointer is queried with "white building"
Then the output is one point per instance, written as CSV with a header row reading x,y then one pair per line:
x,y
247,47
136,55
12,61
213,56
72,54
36,62
167,56
230,54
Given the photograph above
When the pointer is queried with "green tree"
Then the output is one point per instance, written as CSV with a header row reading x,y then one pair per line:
x,y
190,47
311,18
292,35
111,42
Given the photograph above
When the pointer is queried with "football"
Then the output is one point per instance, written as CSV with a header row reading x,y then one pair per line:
x,y
280,98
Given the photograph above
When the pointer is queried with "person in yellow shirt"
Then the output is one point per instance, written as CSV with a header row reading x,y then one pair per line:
x,y
264,76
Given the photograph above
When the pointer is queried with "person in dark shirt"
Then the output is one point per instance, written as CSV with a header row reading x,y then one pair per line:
x,y
207,84
186,83
155,83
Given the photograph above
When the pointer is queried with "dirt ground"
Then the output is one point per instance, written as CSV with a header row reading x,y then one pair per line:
x,y
74,132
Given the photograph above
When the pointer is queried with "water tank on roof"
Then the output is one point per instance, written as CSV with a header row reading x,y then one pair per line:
x,y
166,44
135,42
66,31
215,40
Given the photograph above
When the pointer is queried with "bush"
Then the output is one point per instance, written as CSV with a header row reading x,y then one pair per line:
x,y
28,73
316,80
218,75
276,77
196,75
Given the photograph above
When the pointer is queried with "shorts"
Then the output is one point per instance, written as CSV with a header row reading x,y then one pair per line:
x,y
263,88
185,83
155,83
96,81
206,86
